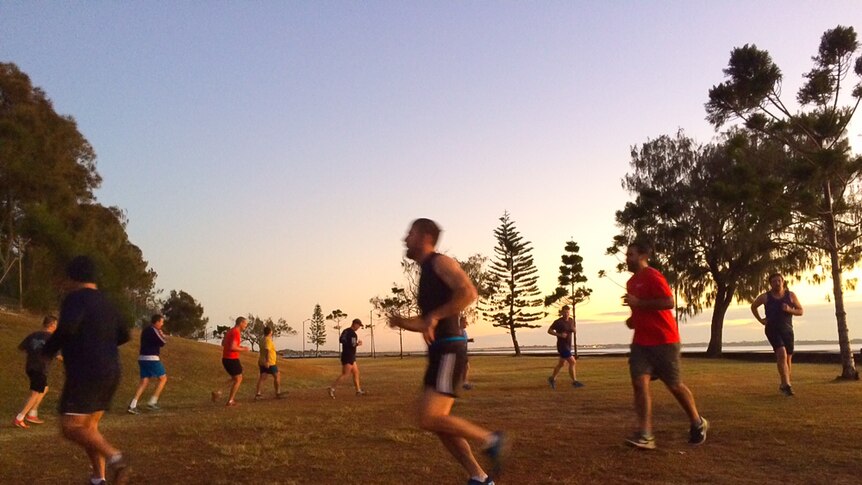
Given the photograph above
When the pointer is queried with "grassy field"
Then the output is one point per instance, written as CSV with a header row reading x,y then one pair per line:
x,y
565,436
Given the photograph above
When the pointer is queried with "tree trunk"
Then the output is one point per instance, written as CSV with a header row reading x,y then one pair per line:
x,y
723,298
848,367
401,343
514,340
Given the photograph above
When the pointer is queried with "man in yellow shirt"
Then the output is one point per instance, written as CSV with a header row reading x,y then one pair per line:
x,y
266,362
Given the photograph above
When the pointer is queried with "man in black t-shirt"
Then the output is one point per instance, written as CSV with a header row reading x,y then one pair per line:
x,y
89,333
444,291
37,371
349,341
564,328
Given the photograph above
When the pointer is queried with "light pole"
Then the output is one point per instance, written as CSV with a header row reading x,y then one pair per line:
x,y
303,335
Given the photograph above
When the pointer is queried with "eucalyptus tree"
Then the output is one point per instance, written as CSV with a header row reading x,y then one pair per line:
x,y
714,219
822,174
516,301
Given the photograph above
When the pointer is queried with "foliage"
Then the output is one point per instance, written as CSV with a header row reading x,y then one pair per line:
x,y
474,267
823,177
337,316
317,329
571,274
253,333
48,212
516,292
184,316
714,214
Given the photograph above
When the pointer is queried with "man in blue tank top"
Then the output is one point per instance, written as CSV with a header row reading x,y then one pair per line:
x,y
780,305
444,291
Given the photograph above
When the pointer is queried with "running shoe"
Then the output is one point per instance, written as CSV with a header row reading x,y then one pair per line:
x,y
216,395
577,384
552,383
133,410
154,407
697,433
642,441
332,393
258,397
231,403
497,453
119,469
360,392
786,390
34,420
281,395
19,423
487,481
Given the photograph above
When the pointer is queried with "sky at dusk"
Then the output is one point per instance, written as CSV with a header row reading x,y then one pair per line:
x,y
271,155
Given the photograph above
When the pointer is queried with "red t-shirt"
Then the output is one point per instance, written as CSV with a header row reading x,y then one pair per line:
x,y
231,339
652,327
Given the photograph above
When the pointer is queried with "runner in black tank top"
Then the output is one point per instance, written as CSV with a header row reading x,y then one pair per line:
x,y
445,290
780,305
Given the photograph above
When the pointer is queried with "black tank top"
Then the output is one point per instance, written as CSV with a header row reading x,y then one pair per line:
x,y
775,316
434,293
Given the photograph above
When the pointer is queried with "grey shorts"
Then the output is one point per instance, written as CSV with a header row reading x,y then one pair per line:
x,y
661,361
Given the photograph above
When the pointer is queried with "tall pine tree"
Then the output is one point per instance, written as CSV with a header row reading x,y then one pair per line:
x,y
571,274
317,329
512,305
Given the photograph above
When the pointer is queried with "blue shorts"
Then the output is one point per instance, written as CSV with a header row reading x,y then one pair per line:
x,y
564,353
273,369
151,368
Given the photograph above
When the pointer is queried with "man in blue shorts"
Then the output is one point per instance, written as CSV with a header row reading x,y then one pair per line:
x,y
267,363
349,341
150,364
37,371
88,334
444,291
564,328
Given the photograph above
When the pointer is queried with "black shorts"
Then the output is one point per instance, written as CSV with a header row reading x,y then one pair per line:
x,y
273,369
780,336
348,359
656,360
447,364
88,395
38,380
232,366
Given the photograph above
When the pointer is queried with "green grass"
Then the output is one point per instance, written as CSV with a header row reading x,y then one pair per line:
x,y
564,436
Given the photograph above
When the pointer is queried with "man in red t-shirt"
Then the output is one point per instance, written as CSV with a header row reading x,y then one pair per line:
x,y
655,349
230,359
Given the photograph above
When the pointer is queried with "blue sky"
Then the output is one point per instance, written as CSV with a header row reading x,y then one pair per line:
x,y
270,155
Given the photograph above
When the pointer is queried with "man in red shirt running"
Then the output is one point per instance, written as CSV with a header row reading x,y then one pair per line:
x,y
655,349
230,359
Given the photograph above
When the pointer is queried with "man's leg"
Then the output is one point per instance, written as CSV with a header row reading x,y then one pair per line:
x,y
276,383
354,369
557,368
84,431
643,403
140,390
781,360
789,369
572,371
685,399
163,380
260,380
29,404
34,411
235,382
434,416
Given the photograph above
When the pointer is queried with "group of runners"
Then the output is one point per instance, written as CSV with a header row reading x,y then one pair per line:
x,y
90,330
